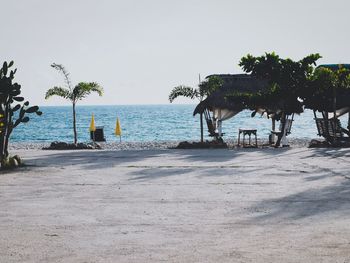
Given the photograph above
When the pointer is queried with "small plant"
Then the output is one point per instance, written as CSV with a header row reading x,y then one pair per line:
x,y
9,105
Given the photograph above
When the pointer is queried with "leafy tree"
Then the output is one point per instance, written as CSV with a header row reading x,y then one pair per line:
x,y
205,88
9,98
285,80
74,94
328,89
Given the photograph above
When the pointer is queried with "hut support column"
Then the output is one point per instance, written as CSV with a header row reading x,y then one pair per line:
x,y
219,123
284,140
201,115
283,125
272,140
201,123
334,111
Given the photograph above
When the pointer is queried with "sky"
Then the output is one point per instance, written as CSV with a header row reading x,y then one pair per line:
x,y
138,50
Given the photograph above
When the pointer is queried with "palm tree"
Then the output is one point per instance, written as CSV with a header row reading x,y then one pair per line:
x,y
79,92
187,92
205,88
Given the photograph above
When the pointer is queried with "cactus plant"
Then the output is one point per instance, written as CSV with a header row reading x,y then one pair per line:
x,y
10,102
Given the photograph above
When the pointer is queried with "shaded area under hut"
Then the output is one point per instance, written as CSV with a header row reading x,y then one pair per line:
x,y
216,108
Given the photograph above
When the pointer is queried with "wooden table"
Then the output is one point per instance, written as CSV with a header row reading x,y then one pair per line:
x,y
248,132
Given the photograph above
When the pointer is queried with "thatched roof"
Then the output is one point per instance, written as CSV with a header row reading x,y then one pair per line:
x,y
231,83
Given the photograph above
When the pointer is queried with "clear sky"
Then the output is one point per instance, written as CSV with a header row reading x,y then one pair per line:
x,y
139,50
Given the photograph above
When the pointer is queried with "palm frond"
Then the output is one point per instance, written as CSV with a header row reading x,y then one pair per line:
x,y
58,91
210,85
65,73
183,91
84,89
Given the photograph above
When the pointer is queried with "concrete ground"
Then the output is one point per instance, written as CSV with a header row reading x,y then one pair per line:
x,y
243,205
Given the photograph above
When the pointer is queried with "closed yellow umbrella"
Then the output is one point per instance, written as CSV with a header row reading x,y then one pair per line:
x,y
92,127
92,124
118,129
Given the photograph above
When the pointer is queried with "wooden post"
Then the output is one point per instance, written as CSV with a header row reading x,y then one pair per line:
x,y
280,135
219,124
201,122
273,128
201,115
334,113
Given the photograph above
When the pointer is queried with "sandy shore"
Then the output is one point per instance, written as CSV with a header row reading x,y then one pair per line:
x,y
240,205
155,145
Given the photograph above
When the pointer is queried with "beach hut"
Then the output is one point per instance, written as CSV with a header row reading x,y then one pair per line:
x,y
216,108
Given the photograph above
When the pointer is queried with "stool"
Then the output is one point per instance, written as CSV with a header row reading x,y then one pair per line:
x,y
248,132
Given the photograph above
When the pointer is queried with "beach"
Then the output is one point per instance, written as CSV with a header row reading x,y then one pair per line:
x,y
151,145
166,205
175,131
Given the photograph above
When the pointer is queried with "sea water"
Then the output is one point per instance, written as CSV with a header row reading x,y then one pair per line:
x,y
144,123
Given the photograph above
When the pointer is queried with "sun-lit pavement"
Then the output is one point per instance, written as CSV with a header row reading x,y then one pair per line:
x,y
253,205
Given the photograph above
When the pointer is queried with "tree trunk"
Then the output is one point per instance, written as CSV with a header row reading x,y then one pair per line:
x,y
75,125
280,135
325,117
201,123
5,134
2,154
7,139
273,129
2,141
7,129
334,113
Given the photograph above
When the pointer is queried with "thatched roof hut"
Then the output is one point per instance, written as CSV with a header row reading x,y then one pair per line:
x,y
232,83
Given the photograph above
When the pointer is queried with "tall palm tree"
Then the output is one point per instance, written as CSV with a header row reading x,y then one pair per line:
x,y
74,94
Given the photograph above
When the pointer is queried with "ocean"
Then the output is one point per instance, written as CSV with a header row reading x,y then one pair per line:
x,y
145,123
